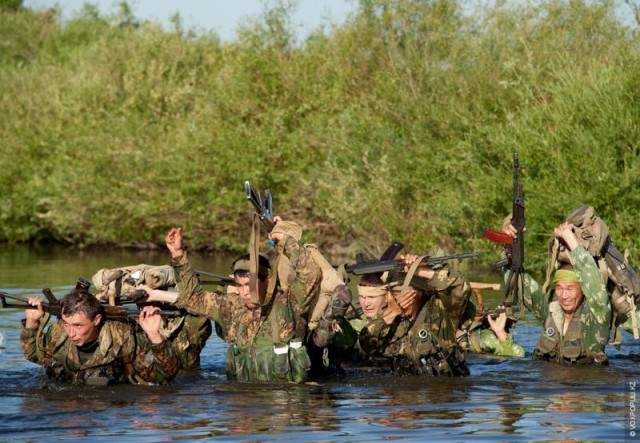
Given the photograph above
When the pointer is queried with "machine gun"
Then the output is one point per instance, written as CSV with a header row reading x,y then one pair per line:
x,y
380,266
264,207
514,247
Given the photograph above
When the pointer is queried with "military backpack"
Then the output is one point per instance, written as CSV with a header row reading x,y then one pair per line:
x,y
621,280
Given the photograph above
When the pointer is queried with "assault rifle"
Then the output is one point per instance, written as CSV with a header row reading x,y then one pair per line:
x,y
379,266
219,280
54,307
514,248
264,207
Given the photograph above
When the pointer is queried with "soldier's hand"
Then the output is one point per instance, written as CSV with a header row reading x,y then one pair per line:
x,y
33,316
392,310
174,242
498,325
408,260
423,272
510,230
150,321
149,296
565,232
276,236
410,303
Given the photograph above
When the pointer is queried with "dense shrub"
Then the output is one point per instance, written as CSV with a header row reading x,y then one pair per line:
x,y
399,124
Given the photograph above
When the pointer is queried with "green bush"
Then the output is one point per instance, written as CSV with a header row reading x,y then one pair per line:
x,y
400,124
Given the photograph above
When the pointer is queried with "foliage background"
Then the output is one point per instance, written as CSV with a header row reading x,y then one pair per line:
x,y
400,124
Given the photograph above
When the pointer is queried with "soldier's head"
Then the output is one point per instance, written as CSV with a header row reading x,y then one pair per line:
x,y
82,315
567,288
241,268
372,293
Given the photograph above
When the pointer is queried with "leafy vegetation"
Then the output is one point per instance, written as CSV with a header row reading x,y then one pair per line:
x,y
399,124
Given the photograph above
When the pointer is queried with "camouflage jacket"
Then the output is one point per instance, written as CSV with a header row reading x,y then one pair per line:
x,y
588,331
188,335
264,343
430,337
122,354
307,275
485,341
476,336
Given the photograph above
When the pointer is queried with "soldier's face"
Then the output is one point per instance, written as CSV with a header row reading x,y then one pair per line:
x,y
242,284
569,295
371,306
81,329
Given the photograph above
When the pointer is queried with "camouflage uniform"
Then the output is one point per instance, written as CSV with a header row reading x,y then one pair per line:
x,y
476,336
121,354
426,345
322,300
588,330
485,341
188,335
297,270
264,348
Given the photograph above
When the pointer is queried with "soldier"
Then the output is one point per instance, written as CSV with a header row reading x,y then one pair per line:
x,y
263,329
414,328
323,297
576,314
494,339
483,333
188,333
84,348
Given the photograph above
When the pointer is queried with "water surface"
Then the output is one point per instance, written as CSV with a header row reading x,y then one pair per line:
x,y
503,399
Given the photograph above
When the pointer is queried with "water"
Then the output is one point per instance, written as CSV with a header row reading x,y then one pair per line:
x,y
503,399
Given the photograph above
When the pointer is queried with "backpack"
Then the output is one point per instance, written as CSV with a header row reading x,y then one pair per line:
x,y
621,280
121,282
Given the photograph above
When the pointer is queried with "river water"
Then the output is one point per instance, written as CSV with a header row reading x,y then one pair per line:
x,y
503,399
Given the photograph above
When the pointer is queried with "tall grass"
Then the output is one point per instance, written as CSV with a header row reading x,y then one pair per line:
x,y
399,124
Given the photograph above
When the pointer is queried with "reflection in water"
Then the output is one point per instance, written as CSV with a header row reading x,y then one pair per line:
x,y
290,406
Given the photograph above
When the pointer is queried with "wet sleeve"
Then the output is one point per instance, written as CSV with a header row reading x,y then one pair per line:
x,y
488,343
34,341
373,336
155,363
28,343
